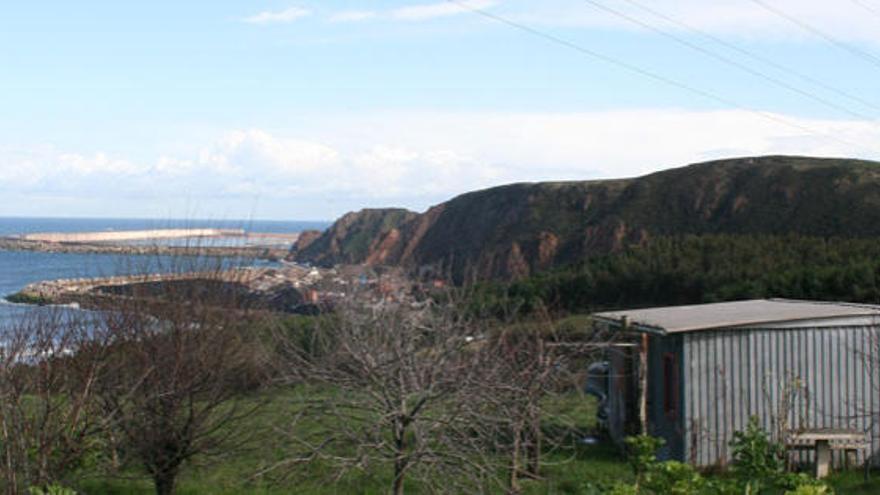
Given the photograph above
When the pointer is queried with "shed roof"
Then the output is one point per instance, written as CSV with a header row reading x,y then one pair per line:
x,y
676,319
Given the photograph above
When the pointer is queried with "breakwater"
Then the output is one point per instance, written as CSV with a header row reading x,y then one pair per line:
x,y
256,252
130,235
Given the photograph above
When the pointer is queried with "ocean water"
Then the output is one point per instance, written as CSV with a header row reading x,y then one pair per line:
x,y
20,268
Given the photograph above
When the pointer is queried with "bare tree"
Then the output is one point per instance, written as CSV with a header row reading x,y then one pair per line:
x,y
867,351
521,373
49,361
528,368
395,382
179,363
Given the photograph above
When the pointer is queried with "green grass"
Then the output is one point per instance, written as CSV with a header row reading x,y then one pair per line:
x,y
853,482
567,471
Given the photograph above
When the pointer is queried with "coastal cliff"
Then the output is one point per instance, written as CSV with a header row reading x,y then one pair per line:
x,y
356,238
516,230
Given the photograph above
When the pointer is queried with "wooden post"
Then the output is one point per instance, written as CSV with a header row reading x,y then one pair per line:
x,y
823,458
643,379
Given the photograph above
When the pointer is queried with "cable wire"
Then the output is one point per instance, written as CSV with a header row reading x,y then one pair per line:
x,y
758,57
729,61
656,76
865,5
857,52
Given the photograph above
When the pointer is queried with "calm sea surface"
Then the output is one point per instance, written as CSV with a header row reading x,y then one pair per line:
x,y
19,268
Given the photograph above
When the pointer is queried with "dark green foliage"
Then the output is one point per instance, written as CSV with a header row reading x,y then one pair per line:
x,y
23,298
698,269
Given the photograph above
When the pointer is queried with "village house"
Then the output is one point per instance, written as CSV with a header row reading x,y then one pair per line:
x,y
694,375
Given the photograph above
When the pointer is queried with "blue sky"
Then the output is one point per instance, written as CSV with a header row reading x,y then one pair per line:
x,y
308,109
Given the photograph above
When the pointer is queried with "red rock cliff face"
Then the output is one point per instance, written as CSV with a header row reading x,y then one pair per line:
x,y
305,239
548,245
370,235
519,229
382,248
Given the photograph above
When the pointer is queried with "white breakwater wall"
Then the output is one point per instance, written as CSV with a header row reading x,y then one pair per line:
x,y
130,235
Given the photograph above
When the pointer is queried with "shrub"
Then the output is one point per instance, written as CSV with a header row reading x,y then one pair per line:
x,y
759,465
51,490
652,476
810,489
758,468
758,461
674,478
642,455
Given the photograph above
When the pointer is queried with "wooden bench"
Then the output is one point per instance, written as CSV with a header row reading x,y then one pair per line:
x,y
823,441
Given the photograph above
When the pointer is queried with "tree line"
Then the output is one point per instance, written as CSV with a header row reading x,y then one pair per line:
x,y
695,269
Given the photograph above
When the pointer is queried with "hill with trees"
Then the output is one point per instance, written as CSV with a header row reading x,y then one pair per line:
x,y
516,231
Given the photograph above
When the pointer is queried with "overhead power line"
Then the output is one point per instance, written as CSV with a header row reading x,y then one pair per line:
x,y
727,60
656,76
865,5
758,57
855,51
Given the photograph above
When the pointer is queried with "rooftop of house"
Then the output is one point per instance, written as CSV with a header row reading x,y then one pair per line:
x,y
737,314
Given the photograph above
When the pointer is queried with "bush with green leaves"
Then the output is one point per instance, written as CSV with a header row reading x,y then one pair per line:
x,y
810,489
674,478
759,465
756,457
642,454
51,490
655,477
759,468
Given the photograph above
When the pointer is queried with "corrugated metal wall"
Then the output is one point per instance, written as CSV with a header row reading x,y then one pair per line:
x,y
799,378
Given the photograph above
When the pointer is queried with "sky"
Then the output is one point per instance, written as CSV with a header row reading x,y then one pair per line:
x,y
307,109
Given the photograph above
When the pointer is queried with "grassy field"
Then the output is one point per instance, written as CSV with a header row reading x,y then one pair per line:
x,y
568,471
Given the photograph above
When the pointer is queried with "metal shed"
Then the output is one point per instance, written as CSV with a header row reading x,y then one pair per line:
x,y
701,371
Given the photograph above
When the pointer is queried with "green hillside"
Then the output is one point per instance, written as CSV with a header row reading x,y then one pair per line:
x,y
515,231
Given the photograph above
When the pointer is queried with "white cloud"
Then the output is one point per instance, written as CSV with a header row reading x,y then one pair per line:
x,y
733,18
256,151
279,17
99,163
416,159
846,22
353,16
730,18
412,13
171,166
439,9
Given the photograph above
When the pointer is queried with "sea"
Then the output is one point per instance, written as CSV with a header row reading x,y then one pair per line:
x,y
20,268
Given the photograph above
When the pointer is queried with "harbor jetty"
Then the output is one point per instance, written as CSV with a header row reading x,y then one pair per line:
x,y
131,235
273,246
